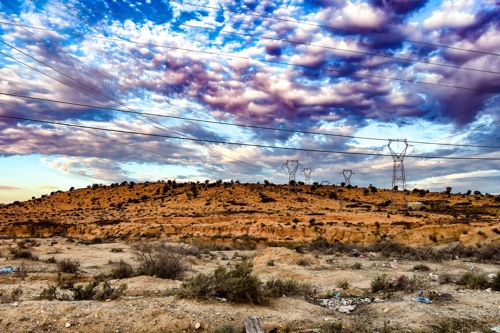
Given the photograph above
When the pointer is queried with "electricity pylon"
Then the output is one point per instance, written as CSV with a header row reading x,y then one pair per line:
x,y
307,175
347,176
292,167
398,169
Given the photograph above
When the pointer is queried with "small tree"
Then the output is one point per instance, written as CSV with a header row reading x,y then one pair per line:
x,y
448,190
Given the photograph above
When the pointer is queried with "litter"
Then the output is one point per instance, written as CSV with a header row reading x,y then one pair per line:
x,y
345,304
423,300
433,277
7,270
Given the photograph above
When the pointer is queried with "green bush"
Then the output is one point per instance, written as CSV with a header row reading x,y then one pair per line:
x,y
495,284
237,285
288,288
93,290
474,281
49,293
85,292
380,283
105,291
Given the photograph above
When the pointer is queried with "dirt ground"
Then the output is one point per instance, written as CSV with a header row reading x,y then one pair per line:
x,y
150,304
231,212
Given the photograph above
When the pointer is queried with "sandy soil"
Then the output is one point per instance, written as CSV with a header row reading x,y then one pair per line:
x,y
232,213
149,304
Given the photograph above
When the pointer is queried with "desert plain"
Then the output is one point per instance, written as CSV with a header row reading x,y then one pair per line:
x,y
361,258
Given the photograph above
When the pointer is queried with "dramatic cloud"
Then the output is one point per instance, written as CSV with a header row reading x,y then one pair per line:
x,y
342,67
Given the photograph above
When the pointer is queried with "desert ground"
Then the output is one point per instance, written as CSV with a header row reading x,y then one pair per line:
x,y
336,242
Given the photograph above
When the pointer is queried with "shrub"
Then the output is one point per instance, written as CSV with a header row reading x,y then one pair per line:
x,y
319,244
159,260
332,328
68,266
85,292
265,198
344,284
401,283
13,296
105,291
357,265
380,283
237,285
452,325
225,328
122,270
21,252
473,281
421,268
49,293
495,284
303,262
93,290
288,288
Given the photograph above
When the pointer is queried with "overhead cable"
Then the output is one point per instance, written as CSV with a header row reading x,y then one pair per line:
x,y
243,143
240,125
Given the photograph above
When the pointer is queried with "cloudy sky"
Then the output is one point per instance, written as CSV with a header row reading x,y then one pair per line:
x,y
114,90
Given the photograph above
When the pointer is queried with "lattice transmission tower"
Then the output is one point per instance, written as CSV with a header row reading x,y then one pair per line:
x,y
307,175
347,176
292,166
398,169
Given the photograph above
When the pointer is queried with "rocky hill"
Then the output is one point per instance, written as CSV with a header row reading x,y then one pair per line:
x,y
229,213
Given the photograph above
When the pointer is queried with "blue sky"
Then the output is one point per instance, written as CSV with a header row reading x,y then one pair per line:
x,y
355,73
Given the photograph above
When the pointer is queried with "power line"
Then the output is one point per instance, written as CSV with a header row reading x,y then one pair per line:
x,y
409,60
99,93
241,143
241,125
328,69
254,14
341,49
334,28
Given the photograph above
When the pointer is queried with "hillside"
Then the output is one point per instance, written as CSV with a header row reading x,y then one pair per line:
x,y
228,213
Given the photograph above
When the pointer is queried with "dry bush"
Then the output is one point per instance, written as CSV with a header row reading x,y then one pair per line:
x,y
421,268
122,270
452,325
360,326
12,296
225,328
402,283
22,251
67,265
160,260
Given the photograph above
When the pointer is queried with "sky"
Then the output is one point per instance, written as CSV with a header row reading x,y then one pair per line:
x,y
112,90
